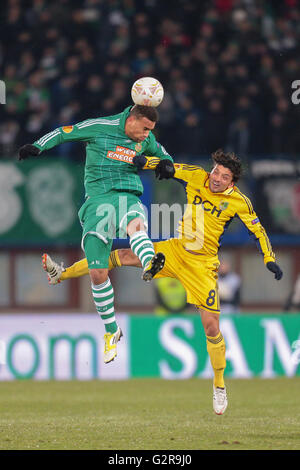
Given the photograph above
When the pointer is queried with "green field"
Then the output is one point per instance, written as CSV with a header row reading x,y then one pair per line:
x,y
149,414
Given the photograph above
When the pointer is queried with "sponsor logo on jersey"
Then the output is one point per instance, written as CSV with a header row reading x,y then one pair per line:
x,y
207,206
67,129
223,205
255,221
122,154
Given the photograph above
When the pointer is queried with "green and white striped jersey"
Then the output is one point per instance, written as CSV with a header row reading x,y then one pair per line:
x,y
109,152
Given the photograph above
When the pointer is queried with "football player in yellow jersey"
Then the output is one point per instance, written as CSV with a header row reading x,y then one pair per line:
x,y
213,201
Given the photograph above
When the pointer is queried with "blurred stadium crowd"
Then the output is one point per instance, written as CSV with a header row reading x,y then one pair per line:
x,y
226,65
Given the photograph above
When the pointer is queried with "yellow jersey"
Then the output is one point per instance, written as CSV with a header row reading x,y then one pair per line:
x,y
207,214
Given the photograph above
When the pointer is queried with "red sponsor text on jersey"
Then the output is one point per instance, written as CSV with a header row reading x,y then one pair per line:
x,y
121,154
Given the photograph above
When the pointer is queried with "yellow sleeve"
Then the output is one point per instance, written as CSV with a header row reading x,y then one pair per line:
x,y
182,171
248,216
152,163
187,172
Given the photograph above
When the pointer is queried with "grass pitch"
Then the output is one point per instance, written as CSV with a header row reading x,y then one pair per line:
x,y
149,414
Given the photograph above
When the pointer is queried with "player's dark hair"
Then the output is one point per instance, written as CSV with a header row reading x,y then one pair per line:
x,y
148,112
228,160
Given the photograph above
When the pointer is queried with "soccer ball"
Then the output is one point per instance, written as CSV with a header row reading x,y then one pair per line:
x,y
147,91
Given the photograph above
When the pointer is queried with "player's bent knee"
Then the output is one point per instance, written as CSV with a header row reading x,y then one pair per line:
x,y
135,225
212,330
210,322
98,276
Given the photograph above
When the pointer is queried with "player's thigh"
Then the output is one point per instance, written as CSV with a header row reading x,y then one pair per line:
x,y
131,216
99,217
172,261
96,251
209,295
200,280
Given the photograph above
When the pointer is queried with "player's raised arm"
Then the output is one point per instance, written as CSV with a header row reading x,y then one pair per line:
x,y
248,216
164,167
178,170
83,131
186,172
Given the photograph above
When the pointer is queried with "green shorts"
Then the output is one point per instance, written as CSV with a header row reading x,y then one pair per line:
x,y
105,218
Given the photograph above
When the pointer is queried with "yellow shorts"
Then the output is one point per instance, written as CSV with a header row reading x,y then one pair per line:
x,y
197,273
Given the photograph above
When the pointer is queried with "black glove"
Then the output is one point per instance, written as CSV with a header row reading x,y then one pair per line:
x,y
28,151
274,268
165,170
139,161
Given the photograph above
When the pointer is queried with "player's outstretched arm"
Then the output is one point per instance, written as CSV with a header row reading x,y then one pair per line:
x,y
164,169
82,131
275,268
27,151
250,219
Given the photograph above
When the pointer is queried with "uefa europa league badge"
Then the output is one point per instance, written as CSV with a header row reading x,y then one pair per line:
x,y
67,129
223,205
138,147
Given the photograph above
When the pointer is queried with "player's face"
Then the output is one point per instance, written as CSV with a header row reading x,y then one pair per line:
x,y
138,128
220,179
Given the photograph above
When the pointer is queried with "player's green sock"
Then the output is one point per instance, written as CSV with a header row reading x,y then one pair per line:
x,y
142,246
103,295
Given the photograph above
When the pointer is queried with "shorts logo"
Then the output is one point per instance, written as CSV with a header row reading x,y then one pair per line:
x,y
67,129
122,154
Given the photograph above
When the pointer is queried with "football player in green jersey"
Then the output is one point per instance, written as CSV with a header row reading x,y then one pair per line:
x,y
112,208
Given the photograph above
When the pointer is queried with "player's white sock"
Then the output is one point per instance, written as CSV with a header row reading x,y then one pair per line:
x,y
142,246
103,295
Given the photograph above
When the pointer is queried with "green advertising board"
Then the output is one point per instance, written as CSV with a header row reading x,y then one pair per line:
x,y
40,200
175,347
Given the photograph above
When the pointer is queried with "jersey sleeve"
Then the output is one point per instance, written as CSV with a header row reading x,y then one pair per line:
x,y
83,131
186,172
183,172
155,149
248,216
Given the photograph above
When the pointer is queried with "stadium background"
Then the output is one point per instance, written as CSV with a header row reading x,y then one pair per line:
x,y
227,68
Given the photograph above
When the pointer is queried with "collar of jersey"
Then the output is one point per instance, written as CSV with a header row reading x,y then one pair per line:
x,y
226,192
